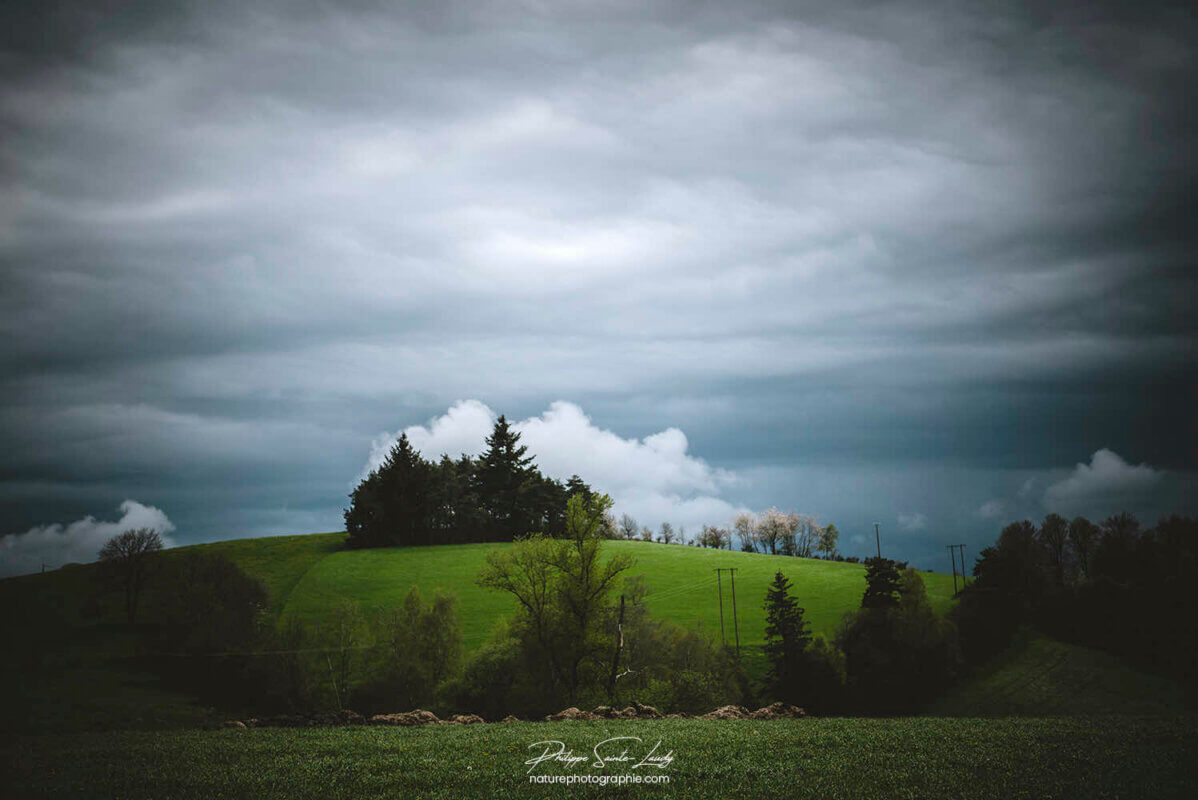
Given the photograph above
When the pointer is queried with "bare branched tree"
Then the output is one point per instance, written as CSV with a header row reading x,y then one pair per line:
x,y
129,558
745,526
629,528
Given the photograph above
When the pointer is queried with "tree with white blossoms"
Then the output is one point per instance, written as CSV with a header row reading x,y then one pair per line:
x,y
713,537
776,530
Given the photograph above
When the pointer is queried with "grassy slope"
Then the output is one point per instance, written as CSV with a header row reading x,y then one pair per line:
x,y
65,667
70,668
818,758
279,561
1037,676
681,579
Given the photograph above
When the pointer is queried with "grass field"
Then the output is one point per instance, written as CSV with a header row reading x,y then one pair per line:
x,y
817,758
682,582
309,575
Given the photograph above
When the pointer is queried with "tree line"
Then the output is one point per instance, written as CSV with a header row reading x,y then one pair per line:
x,y
1110,585
408,500
772,531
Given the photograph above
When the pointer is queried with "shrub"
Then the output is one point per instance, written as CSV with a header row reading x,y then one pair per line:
x,y
419,646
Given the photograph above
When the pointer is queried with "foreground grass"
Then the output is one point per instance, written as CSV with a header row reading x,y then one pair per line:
x,y
824,758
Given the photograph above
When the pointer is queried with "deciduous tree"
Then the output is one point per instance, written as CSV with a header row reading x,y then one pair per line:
x,y
129,559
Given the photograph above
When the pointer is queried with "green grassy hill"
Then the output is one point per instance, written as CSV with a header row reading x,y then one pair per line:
x,y
70,668
309,575
73,662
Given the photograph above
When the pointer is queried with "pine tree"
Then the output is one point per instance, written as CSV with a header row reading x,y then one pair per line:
x,y
881,584
503,472
787,635
397,503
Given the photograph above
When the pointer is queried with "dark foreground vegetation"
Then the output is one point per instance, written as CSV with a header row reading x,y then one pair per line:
x,y
1111,586
817,758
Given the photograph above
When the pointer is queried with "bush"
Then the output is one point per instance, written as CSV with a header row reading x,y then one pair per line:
x,y
419,646
490,682
287,673
208,620
207,605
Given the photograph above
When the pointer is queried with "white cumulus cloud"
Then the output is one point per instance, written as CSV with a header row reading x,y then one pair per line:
x,y
1106,481
79,541
655,479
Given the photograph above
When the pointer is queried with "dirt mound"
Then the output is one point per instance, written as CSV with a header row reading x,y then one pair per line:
x,y
727,712
421,717
778,711
634,711
570,713
464,719
416,717
645,712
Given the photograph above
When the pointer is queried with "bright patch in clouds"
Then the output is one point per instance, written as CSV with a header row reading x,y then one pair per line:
x,y
1105,480
913,521
991,509
655,479
78,541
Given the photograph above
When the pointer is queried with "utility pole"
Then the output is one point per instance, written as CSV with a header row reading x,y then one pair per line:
x,y
615,661
952,555
735,623
952,548
878,540
720,589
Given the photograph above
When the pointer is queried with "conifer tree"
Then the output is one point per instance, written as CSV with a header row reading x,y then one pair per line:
x,y
787,635
503,472
881,584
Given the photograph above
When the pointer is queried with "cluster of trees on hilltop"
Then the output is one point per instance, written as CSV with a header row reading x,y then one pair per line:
x,y
1109,585
496,497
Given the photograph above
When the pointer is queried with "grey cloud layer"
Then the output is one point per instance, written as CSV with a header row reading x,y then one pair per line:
x,y
235,245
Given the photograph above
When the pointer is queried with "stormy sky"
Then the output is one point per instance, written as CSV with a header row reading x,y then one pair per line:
x,y
923,264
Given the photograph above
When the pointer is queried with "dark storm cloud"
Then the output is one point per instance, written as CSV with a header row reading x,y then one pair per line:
x,y
835,245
